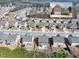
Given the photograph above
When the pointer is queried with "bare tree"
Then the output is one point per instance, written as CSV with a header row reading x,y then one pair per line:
x,y
72,50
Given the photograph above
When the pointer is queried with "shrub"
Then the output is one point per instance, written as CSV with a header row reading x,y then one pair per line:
x,y
59,54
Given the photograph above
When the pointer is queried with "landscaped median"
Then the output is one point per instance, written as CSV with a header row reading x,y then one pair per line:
x,y
22,53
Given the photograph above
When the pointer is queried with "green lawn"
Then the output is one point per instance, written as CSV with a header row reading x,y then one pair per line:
x,y
22,53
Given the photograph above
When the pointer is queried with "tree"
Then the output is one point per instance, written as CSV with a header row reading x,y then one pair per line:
x,y
70,9
73,51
